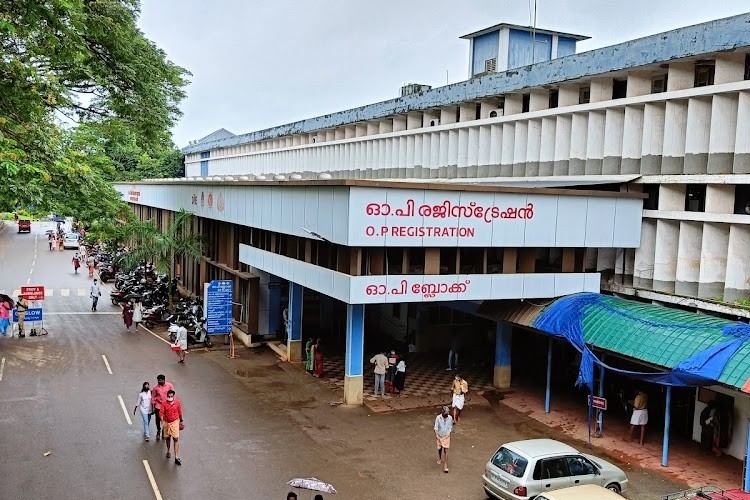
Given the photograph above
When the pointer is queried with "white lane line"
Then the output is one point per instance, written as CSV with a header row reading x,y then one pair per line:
x,y
157,336
2,368
106,363
28,280
124,410
151,480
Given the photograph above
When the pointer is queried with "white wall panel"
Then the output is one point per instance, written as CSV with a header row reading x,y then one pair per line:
x,y
541,229
570,230
599,220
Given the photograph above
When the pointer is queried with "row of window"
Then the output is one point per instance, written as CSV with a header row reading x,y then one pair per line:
x,y
704,76
695,198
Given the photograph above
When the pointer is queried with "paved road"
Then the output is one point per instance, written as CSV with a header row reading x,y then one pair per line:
x,y
252,422
57,395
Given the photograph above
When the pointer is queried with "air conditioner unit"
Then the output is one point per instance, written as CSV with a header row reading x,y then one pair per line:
x,y
490,65
659,84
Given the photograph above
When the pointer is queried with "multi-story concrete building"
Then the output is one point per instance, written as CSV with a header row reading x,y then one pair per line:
x,y
664,119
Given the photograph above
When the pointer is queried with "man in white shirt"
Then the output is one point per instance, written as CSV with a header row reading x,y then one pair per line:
x,y
94,292
443,428
181,342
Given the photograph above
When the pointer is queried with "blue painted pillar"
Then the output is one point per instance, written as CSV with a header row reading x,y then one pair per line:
x,y
274,305
667,416
746,483
294,322
503,343
549,376
600,419
354,358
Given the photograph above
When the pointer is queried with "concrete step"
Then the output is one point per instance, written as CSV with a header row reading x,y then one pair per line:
x,y
279,348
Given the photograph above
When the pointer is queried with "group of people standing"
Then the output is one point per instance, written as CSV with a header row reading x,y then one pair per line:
x,y
390,372
314,357
161,403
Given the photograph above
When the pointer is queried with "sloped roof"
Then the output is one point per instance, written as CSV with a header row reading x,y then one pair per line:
x,y
657,335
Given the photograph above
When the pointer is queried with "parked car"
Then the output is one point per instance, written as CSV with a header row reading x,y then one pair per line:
x,y
71,240
24,226
584,492
705,492
525,469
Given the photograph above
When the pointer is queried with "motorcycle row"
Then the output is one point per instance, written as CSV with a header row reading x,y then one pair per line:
x,y
152,290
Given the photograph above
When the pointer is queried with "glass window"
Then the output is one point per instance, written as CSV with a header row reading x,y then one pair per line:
x,y
555,467
512,463
579,466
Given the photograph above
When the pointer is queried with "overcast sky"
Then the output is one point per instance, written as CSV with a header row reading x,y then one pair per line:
x,y
259,64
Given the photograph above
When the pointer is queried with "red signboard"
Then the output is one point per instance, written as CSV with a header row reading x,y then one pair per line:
x,y
597,402
33,292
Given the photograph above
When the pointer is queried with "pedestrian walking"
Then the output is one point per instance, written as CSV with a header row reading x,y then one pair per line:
x,y
137,312
390,374
144,404
50,240
61,242
171,411
443,428
22,305
381,365
640,415
54,241
5,309
400,375
127,315
318,362
180,343
158,397
95,292
309,355
91,262
76,263
458,394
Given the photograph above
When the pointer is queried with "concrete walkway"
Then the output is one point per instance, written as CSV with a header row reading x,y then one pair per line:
x,y
688,463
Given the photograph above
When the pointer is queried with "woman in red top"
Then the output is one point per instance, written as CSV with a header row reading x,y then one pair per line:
x,y
171,414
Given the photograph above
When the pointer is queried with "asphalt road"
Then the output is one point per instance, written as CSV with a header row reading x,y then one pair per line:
x,y
57,396
252,423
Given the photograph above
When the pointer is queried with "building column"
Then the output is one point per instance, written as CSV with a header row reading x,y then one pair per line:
x,y
274,304
595,144
503,343
675,127
631,139
697,135
294,322
547,147
665,255
613,135
354,357
741,162
723,129
738,264
652,142
643,269
689,258
713,260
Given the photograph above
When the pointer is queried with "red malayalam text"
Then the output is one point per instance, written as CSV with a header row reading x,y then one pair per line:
x,y
448,209
427,290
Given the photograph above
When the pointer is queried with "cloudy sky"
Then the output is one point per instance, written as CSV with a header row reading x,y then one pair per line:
x,y
258,64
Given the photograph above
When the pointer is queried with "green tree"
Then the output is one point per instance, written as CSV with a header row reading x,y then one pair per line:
x,y
88,61
149,244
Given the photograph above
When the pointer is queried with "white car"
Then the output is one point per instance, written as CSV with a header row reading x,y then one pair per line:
x,y
71,240
524,469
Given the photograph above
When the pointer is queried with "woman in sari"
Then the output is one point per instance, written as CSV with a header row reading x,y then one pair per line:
x,y
318,362
309,356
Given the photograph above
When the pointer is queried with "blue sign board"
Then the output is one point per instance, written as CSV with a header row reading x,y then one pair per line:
x,y
34,314
218,301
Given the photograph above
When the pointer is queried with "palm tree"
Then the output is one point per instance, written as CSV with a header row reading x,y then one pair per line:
x,y
149,244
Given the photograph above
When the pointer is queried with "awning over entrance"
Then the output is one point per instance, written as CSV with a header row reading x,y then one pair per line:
x,y
693,349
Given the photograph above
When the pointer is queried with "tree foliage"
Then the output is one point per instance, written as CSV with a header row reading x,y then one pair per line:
x,y
82,62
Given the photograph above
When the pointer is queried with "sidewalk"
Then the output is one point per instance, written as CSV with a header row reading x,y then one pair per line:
x,y
688,463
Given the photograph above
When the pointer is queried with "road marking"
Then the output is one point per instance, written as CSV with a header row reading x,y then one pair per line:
x,y
65,292
28,280
16,293
2,368
81,292
124,410
152,480
49,292
157,336
106,363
